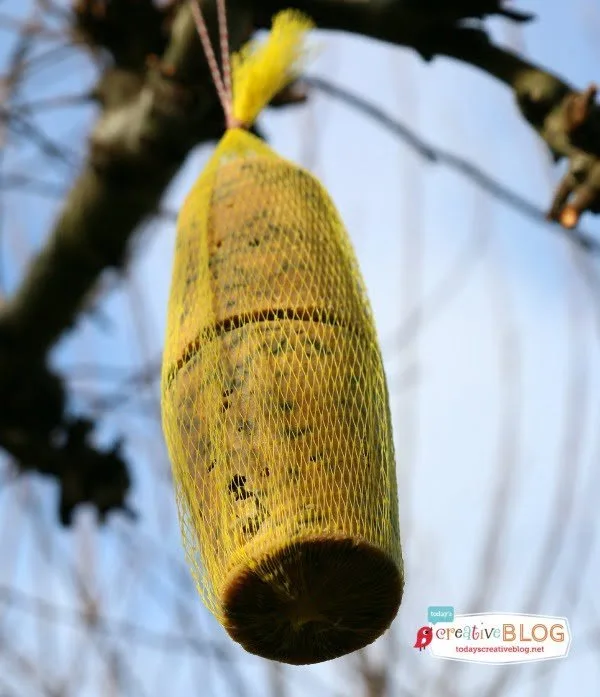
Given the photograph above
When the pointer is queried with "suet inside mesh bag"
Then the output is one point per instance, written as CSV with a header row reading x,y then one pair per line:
x,y
274,399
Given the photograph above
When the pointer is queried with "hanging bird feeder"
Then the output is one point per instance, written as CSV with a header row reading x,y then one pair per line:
x,y
274,399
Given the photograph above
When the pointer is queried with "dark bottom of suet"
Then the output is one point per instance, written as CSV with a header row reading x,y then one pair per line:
x,y
313,601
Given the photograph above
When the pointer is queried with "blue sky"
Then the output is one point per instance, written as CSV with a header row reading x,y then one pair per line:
x,y
479,397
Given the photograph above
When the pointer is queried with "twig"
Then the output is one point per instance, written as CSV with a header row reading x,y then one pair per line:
x,y
440,156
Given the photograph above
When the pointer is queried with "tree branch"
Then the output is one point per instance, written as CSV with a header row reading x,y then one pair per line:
x,y
566,119
148,123
147,126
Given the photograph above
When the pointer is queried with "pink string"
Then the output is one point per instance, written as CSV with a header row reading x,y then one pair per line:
x,y
210,57
225,60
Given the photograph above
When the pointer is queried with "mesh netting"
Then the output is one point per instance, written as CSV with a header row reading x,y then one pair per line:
x,y
276,416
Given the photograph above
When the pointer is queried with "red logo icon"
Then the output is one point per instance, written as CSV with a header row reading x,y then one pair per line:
x,y
424,637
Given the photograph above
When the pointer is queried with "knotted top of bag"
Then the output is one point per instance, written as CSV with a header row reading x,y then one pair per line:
x,y
253,76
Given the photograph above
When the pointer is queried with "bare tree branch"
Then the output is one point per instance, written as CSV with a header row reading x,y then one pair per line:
x,y
148,124
566,119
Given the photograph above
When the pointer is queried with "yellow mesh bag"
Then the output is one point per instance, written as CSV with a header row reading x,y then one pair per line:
x,y
274,400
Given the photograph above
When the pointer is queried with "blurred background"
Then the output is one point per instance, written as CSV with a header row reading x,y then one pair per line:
x,y
489,323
